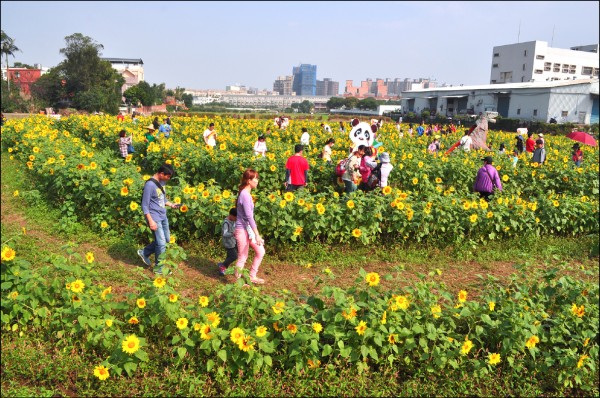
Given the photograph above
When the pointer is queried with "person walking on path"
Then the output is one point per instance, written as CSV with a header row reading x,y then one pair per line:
x,y
487,179
245,219
296,170
228,240
154,203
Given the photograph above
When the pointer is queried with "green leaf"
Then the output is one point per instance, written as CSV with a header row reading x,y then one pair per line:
x,y
327,350
181,351
223,355
418,329
210,364
141,355
268,360
130,367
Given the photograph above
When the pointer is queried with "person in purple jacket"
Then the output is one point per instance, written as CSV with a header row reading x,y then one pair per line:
x,y
487,179
246,233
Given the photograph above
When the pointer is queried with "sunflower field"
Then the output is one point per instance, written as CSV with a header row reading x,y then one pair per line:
x,y
75,163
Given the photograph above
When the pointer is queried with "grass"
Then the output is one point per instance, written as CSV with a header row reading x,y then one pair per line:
x,y
34,365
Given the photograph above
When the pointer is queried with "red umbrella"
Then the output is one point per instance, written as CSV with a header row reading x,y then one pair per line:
x,y
582,137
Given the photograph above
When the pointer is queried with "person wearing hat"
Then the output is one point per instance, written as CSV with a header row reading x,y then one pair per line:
x,y
577,155
520,145
149,135
541,137
209,135
539,155
386,168
260,146
487,179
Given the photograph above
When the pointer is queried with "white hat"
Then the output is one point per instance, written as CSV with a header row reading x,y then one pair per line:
x,y
540,135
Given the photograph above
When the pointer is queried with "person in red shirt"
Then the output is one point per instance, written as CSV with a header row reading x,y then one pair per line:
x,y
120,117
530,143
296,170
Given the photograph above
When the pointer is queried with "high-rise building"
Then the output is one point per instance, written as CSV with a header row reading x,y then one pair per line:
x,y
283,85
305,79
328,87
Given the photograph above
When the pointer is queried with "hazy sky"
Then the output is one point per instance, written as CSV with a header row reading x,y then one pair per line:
x,y
201,45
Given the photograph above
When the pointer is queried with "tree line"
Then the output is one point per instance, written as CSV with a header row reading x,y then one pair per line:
x,y
82,81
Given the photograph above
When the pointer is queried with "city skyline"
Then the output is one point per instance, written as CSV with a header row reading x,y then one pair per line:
x,y
209,45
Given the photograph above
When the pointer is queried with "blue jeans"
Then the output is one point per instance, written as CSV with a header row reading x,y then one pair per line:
x,y
349,186
162,236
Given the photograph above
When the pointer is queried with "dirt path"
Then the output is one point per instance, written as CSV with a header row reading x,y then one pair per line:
x,y
199,275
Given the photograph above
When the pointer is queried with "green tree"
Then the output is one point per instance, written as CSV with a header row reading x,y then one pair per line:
x,y
188,100
367,104
350,102
179,93
134,95
49,90
306,106
22,65
7,44
91,82
159,94
335,103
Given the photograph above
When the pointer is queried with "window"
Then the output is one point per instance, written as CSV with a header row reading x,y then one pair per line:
x,y
496,65
525,53
519,111
557,65
564,113
535,112
557,69
539,57
595,71
538,71
565,66
586,70
547,68
523,66
572,72
565,71
496,54
548,64
493,81
17,74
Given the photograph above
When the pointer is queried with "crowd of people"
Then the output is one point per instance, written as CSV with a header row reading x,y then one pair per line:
x,y
361,170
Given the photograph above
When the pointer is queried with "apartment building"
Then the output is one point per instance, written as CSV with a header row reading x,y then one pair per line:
x,y
132,70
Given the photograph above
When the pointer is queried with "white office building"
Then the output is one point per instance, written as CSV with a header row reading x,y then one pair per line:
x,y
574,101
534,61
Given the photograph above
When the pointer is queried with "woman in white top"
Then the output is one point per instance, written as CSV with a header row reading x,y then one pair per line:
x,y
260,146
326,155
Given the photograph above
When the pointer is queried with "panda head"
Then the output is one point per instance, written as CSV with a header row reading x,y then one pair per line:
x,y
362,133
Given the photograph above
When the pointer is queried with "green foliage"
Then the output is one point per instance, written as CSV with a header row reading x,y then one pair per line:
x,y
541,323
429,198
